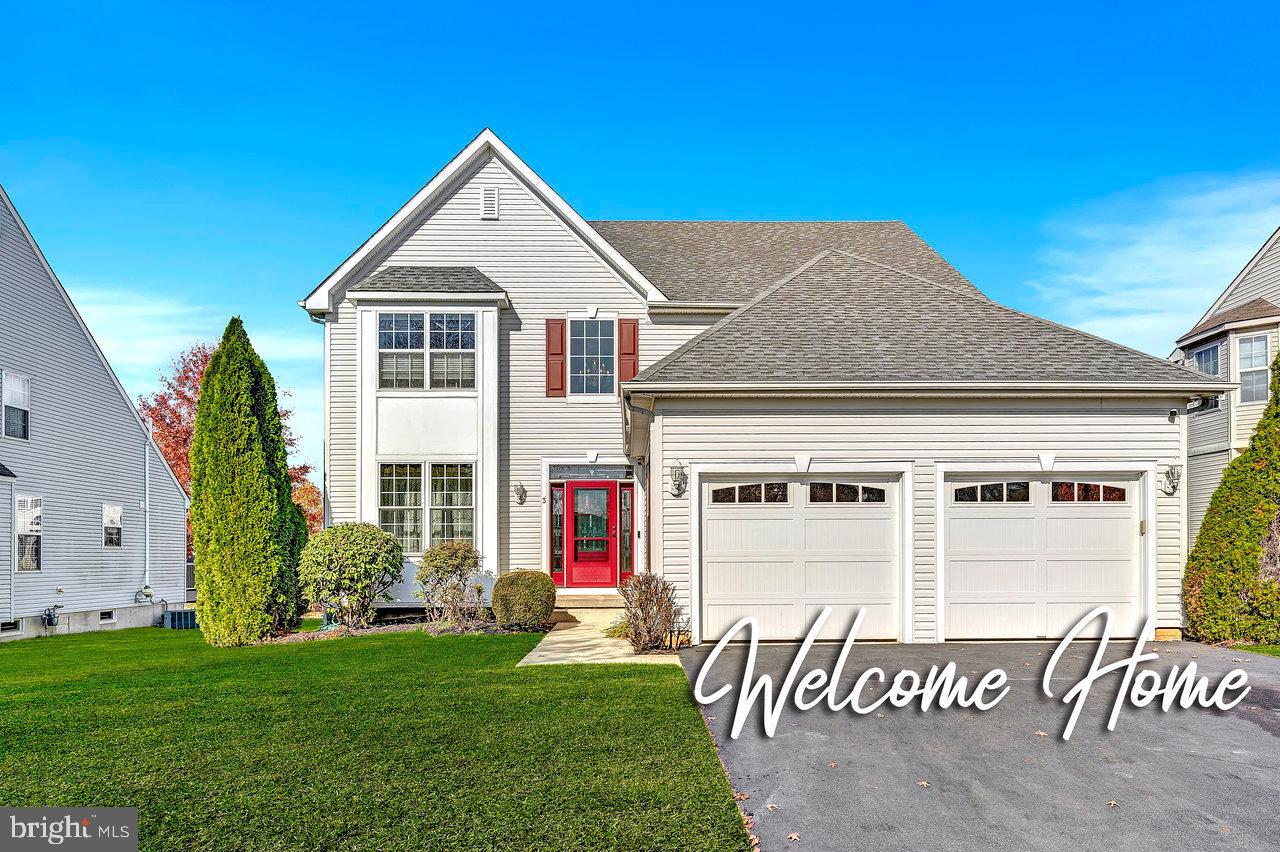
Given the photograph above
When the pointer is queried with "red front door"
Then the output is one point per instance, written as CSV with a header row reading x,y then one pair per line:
x,y
591,534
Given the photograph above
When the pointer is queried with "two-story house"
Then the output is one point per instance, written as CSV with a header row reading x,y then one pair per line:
x,y
92,521
776,416
1236,341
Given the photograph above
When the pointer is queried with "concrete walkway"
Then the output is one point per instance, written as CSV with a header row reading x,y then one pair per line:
x,y
583,641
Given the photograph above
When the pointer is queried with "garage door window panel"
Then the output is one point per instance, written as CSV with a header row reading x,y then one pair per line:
x,y
750,493
993,492
844,492
1087,492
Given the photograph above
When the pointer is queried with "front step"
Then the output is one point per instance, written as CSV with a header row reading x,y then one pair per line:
x,y
605,601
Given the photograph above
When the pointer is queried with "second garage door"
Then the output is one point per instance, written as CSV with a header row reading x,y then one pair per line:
x,y
781,549
1027,557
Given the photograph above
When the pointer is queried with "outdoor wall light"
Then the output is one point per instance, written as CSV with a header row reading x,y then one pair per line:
x,y
1172,476
679,479
520,492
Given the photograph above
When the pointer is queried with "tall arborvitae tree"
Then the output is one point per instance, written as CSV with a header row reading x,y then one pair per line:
x,y
246,532
1228,596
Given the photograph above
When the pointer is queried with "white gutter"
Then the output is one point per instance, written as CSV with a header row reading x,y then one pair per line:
x,y
693,307
928,389
482,297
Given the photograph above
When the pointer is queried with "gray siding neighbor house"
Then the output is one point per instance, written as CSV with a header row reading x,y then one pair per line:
x,y
92,521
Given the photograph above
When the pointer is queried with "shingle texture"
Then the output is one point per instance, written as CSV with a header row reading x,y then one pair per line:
x,y
1257,309
847,320
734,261
4,471
429,279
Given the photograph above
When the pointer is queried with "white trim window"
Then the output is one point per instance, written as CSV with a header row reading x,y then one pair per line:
x,y
452,503
112,525
593,360
17,405
453,351
30,532
400,504
1255,375
401,351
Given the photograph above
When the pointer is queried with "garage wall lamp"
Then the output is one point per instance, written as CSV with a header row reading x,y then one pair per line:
x,y
1172,476
679,479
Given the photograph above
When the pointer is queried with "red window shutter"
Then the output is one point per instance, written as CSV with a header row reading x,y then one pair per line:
x,y
628,349
555,357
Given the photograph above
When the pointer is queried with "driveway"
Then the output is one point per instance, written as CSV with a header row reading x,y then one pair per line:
x,y
1187,779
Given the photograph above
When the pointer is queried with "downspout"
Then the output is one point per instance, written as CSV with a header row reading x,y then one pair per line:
x,y
146,513
12,570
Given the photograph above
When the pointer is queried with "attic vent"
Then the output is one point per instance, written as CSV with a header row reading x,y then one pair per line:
x,y
489,207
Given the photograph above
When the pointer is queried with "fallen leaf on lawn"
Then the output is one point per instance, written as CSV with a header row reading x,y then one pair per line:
x,y
1226,829
793,837
923,783
771,807
1113,804
1041,734
832,765
741,797
711,718
755,841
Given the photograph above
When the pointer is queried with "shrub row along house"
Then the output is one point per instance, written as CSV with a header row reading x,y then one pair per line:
x,y
92,521
774,416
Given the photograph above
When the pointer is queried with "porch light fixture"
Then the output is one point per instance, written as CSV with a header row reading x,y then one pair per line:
x,y
679,479
1172,476
521,494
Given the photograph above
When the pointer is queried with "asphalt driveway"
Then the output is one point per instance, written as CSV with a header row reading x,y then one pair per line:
x,y
1187,779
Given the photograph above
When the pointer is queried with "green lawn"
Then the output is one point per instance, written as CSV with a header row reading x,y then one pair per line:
x,y
391,741
1269,650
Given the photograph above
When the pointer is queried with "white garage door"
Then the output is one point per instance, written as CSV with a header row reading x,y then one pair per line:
x,y
782,548
1027,557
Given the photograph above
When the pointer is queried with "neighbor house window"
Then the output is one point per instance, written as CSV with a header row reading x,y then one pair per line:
x,y
453,350
401,352
30,516
592,364
112,525
452,506
1206,361
17,405
1254,375
400,503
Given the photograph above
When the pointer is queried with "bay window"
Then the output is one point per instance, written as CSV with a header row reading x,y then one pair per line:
x,y
1254,373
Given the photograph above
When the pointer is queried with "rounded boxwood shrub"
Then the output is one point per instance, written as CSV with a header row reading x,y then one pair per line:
x,y
523,599
348,568
1230,589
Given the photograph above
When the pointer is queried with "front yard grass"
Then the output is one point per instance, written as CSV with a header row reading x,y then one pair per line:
x,y
386,742
1269,650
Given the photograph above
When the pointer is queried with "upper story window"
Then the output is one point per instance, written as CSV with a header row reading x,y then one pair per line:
x,y
30,532
1254,374
17,405
592,363
112,525
1207,360
405,348
453,350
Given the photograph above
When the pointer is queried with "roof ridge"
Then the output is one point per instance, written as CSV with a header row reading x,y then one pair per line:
x,y
920,278
728,320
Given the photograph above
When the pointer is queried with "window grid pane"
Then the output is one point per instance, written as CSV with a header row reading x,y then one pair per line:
x,y
400,504
591,357
400,370
1207,360
452,512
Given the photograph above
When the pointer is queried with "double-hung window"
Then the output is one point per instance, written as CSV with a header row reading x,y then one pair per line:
x,y
1254,374
30,525
1206,361
400,503
592,362
416,351
112,525
17,405
452,503
453,350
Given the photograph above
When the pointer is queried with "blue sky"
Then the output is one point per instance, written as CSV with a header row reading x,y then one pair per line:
x,y
1111,166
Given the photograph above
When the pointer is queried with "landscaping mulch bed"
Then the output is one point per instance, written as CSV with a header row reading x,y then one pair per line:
x,y
431,628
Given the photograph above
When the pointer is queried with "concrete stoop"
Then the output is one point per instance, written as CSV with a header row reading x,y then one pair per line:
x,y
579,637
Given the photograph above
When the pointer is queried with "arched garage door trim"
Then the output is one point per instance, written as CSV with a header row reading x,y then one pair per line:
x,y
1144,470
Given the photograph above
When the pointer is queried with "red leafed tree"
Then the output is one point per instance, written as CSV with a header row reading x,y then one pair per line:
x,y
171,414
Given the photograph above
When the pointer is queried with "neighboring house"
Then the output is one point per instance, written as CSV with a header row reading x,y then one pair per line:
x,y
1235,341
92,520
775,416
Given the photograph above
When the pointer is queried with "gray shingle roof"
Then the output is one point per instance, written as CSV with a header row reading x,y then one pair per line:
x,y
735,261
1257,309
4,471
429,279
844,319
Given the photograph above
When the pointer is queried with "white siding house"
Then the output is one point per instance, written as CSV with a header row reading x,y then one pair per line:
x,y
1237,340
90,514
775,416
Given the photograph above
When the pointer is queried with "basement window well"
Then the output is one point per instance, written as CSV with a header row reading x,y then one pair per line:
x,y
106,616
